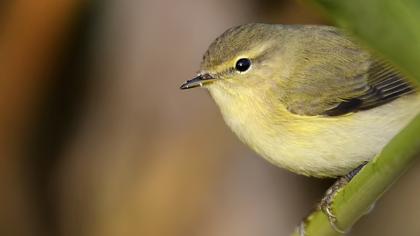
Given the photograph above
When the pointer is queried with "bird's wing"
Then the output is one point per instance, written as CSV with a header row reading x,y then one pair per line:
x,y
334,84
384,84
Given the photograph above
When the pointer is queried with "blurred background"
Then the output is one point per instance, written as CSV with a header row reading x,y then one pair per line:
x,y
97,139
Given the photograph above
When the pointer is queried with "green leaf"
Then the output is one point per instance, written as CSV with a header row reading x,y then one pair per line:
x,y
391,27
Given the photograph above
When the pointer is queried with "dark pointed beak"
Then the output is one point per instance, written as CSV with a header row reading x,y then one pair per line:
x,y
198,81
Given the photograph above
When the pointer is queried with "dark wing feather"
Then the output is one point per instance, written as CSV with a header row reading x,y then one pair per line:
x,y
384,84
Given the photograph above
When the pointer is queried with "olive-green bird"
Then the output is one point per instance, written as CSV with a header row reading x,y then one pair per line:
x,y
306,98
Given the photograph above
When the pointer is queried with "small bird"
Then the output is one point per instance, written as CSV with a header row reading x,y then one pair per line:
x,y
306,98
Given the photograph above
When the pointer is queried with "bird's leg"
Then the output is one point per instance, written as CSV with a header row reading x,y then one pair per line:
x,y
301,228
327,200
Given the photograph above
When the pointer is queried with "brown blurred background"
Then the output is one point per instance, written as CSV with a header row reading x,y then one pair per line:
x,y
97,139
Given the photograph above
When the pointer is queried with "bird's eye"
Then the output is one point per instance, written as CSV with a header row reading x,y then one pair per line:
x,y
243,64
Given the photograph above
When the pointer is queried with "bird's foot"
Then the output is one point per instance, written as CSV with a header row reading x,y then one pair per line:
x,y
301,229
328,199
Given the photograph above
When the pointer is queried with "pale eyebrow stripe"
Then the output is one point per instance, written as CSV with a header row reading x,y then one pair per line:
x,y
266,53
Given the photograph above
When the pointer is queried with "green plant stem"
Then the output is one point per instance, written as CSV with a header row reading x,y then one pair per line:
x,y
354,200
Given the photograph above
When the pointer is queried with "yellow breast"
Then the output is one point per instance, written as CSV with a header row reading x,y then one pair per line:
x,y
312,145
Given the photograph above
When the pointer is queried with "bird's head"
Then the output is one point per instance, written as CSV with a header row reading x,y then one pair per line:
x,y
243,56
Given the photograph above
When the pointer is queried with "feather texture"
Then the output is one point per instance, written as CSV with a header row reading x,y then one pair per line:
x,y
314,101
335,76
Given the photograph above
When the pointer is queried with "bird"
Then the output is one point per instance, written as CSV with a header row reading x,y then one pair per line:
x,y
308,98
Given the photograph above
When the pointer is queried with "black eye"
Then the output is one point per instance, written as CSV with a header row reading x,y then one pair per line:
x,y
243,64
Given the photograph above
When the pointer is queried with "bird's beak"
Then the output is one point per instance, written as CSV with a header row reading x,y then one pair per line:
x,y
199,80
